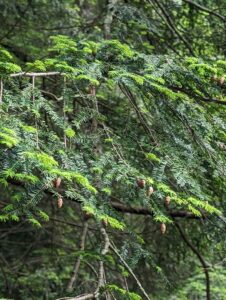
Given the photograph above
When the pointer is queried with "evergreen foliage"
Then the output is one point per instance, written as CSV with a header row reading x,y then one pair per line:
x,y
124,134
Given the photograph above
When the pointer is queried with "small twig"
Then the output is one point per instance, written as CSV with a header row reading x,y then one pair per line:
x,y
1,90
50,95
77,264
101,264
64,113
33,100
201,259
82,297
112,246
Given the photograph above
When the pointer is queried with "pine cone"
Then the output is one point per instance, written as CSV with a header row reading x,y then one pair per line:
x,y
221,80
214,78
167,201
141,183
163,228
57,182
87,215
150,191
105,222
60,202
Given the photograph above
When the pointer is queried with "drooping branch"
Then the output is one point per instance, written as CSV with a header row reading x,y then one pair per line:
x,y
169,23
203,8
112,246
125,90
196,96
201,259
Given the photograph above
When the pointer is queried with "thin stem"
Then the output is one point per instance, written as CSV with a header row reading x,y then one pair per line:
x,y
201,259
130,271
33,100
64,113
104,251
77,264
1,90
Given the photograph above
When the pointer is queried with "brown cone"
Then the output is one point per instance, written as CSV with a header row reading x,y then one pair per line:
x,y
141,183
167,201
163,228
105,222
57,182
150,191
60,202
221,80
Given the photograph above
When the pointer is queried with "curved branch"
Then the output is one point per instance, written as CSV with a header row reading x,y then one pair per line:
x,y
201,259
130,271
200,7
169,22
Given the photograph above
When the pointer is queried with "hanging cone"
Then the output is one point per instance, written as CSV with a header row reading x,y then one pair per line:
x,y
60,202
163,228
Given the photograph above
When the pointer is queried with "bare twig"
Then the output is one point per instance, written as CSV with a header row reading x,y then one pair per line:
x,y
37,74
113,247
36,122
77,264
81,297
50,95
101,264
1,90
